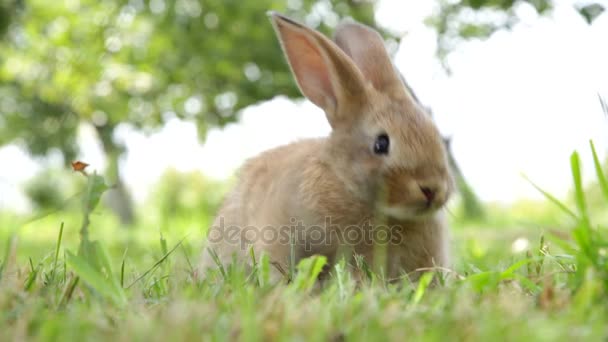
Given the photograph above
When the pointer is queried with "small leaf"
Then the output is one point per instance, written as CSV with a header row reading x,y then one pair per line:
x,y
97,186
264,270
591,12
79,166
94,278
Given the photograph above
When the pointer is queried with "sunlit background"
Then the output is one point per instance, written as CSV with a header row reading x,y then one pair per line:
x,y
517,103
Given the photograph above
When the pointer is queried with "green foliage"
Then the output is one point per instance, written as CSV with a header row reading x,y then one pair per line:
x,y
589,241
92,263
26,118
105,63
53,189
95,270
140,63
457,21
454,21
8,8
308,272
591,11
96,186
186,193
44,193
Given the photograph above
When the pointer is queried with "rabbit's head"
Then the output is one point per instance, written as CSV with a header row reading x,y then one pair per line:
x,y
384,147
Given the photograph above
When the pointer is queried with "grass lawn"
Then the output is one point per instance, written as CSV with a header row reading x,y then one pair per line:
x,y
530,272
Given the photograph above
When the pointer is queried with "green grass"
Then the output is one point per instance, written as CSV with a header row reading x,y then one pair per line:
x,y
76,276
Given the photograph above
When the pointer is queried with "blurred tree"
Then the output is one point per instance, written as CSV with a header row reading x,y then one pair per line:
x,y
48,195
8,8
140,63
459,20
44,195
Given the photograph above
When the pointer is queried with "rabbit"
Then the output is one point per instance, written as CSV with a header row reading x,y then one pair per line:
x,y
384,165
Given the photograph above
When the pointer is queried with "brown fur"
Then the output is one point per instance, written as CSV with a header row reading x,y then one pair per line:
x,y
339,178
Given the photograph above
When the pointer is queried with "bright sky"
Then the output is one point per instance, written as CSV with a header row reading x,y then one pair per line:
x,y
519,102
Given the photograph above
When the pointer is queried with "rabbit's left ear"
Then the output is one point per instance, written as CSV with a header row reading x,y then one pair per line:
x,y
366,48
324,72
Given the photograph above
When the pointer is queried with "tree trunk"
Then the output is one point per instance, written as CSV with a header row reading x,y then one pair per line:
x,y
471,205
118,198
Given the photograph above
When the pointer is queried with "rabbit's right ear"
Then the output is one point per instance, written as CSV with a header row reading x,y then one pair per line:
x,y
323,72
366,49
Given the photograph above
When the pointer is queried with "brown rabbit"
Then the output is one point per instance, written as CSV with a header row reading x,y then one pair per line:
x,y
384,166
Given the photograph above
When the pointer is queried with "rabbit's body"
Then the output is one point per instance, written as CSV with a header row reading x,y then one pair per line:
x,y
383,167
294,186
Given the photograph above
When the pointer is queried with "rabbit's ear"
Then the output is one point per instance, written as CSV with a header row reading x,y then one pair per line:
x,y
366,48
324,73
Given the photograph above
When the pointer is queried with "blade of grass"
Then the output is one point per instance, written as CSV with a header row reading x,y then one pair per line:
x,y
362,266
190,267
68,291
65,267
339,277
292,258
163,243
57,247
579,194
218,263
552,199
122,269
510,271
601,177
10,256
264,270
254,267
31,277
158,263
582,231
423,284
308,271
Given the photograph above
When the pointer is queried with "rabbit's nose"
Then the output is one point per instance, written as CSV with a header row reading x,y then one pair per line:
x,y
429,193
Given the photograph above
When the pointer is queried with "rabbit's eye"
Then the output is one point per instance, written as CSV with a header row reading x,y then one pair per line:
x,y
381,144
